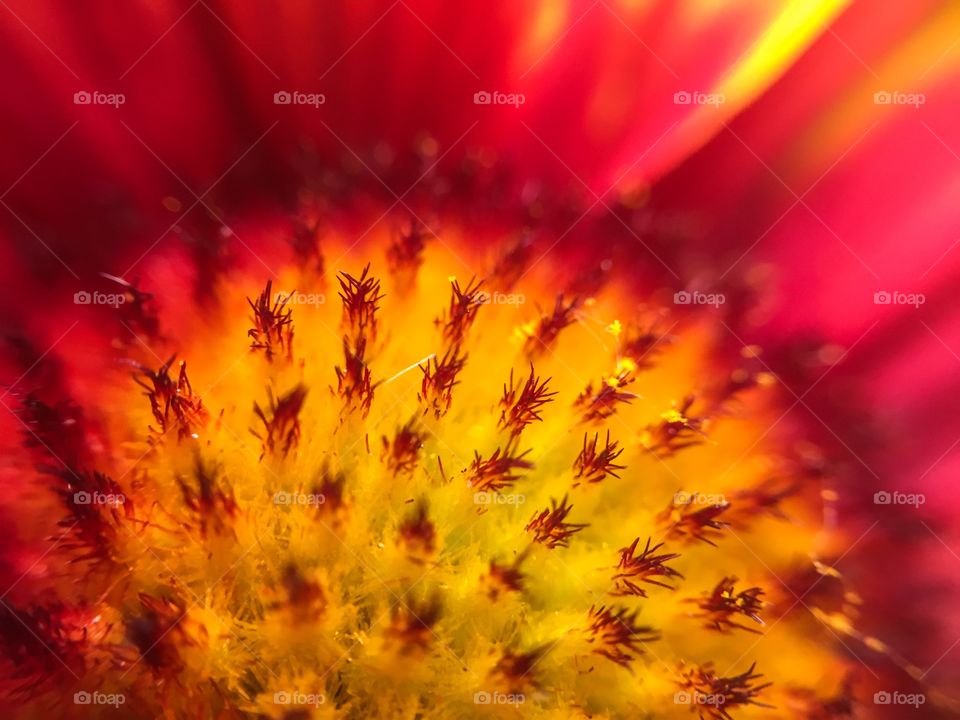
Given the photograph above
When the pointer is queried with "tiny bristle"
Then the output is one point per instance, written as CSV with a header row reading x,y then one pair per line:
x,y
402,453
272,330
520,405
355,383
647,567
173,402
724,693
209,497
439,379
550,324
677,429
601,401
361,300
498,471
281,421
405,255
685,520
593,465
550,528
616,634
462,311
721,607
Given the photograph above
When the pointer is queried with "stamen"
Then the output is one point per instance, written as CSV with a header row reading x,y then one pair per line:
x,y
724,693
305,598
765,499
497,472
616,631
360,299
515,670
402,453
417,533
138,310
512,264
96,504
549,527
272,329
550,325
412,624
282,427
405,255
519,407
600,404
721,604
645,567
158,634
436,388
505,578
212,500
644,343
676,430
592,466
681,521
172,403
460,315
354,381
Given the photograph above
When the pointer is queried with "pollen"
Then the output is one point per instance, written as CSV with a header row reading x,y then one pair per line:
x,y
509,514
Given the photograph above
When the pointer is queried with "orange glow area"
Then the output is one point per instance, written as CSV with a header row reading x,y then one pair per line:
x,y
306,546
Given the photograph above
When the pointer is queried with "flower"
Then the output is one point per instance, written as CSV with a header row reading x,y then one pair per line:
x,y
447,393
330,515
